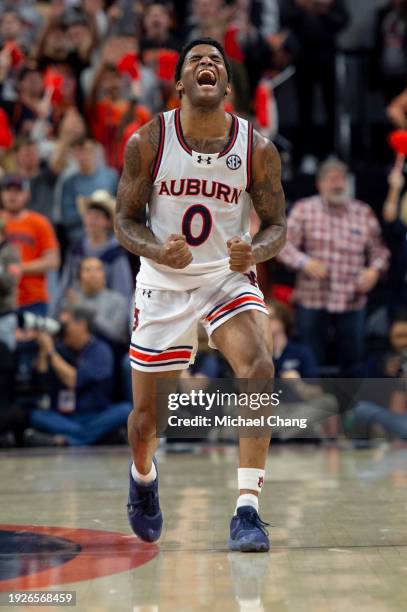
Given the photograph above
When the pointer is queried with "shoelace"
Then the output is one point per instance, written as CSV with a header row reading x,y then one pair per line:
x,y
253,520
148,503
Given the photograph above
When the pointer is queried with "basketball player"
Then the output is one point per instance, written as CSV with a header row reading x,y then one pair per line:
x,y
196,172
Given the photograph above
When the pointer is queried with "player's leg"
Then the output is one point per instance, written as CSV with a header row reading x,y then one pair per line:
x,y
162,344
243,341
142,419
143,508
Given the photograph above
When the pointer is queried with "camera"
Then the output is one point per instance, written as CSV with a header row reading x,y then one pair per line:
x,y
31,322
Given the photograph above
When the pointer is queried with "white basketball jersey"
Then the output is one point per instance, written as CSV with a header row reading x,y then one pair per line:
x,y
204,197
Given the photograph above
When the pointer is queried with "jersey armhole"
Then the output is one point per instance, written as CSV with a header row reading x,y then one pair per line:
x,y
249,156
159,155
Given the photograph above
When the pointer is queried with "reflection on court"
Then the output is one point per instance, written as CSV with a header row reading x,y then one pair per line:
x,y
339,534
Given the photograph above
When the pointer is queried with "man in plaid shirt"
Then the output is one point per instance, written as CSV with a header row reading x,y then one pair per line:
x,y
334,242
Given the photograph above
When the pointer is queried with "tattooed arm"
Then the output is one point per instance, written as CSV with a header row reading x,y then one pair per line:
x,y
269,202
133,194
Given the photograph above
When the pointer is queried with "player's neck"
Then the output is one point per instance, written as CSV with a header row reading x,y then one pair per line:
x,y
213,122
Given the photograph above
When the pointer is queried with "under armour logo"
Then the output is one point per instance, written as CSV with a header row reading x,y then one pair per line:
x,y
260,482
147,292
201,160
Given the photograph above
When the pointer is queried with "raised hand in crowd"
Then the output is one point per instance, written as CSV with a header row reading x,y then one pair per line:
x,y
396,183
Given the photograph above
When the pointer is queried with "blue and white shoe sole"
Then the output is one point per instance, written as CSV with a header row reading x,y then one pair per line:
x,y
247,546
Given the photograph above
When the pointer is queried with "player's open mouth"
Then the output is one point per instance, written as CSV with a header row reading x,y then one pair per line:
x,y
206,77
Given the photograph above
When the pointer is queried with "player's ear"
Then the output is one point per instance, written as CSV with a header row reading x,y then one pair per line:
x,y
228,89
179,87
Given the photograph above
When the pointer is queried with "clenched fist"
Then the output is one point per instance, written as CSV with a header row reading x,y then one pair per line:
x,y
240,254
175,252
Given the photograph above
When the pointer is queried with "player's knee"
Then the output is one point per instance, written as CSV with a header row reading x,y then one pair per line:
x,y
261,367
143,422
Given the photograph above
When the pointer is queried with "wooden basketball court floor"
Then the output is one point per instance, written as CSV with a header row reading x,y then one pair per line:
x,y
339,534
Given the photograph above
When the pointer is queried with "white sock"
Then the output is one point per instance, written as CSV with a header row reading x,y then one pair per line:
x,y
144,478
250,605
247,499
250,478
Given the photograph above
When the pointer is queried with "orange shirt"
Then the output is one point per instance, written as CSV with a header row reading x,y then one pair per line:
x,y
33,235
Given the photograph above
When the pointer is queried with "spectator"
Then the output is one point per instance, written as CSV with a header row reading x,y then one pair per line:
x,y
389,57
29,14
9,274
63,63
157,33
81,33
252,39
122,53
60,155
42,177
316,24
397,111
12,419
395,216
29,103
289,356
110,308
78,372
109,110
89,178
392,362
206,18
330,237
387,405
99,241
295,361
34,236
265,16
11,27
159,48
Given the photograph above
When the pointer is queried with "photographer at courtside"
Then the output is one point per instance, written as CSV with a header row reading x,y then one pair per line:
x,y
78,372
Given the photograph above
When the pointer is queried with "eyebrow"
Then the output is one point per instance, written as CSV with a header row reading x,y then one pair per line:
x,y
213,55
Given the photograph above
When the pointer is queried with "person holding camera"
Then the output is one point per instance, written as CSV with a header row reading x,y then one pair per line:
x,y
78,372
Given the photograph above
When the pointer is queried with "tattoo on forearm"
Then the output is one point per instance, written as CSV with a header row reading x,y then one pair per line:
x,y
269,202
133,194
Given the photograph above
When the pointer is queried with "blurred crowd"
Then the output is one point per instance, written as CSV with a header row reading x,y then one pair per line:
x,y
77,78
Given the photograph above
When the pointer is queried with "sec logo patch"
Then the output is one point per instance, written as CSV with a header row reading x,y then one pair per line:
x,y
233,162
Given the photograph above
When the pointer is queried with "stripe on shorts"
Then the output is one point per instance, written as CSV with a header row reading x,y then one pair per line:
x,y
158,365
244,299
152,357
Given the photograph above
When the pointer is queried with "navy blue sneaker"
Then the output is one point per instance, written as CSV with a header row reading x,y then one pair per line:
x,y
248,532
143,509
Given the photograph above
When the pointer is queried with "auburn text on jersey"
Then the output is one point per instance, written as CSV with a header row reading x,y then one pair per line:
x,y
200,187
